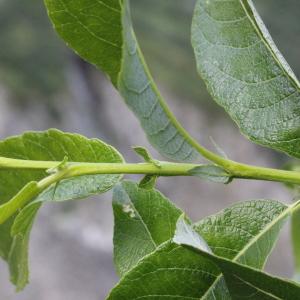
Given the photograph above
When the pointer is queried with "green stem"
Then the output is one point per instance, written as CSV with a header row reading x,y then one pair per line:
x,y
29,191
72,169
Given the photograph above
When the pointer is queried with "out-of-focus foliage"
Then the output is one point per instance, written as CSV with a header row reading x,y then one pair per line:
x,y
31,56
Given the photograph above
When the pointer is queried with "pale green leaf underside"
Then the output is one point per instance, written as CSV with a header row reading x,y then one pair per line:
x,y
246,74
242,281
212,173
101,32
172,272
144,219
52,145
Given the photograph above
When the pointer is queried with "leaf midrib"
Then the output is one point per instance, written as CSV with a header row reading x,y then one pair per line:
x,y
258,289
260,33
142,221
251,243
187,138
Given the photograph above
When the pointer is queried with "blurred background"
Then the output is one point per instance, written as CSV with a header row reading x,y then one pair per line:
x,y
43,85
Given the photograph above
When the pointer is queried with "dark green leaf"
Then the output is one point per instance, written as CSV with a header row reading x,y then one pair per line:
x,y
247,283
246,74
238,233
144,219
51,145
85,25
171,272
101,32
243,282
295,228
148,182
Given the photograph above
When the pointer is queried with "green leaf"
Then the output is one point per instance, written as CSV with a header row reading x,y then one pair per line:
x,y
9,208
295,225
243,233
246,74
144,153
144,219
230,233
247,283
243,282
101,32
148,182
211,173
18,255
185,234
239,233
19,185
171,272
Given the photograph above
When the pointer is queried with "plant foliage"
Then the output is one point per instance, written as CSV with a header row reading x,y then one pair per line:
x,y
158,252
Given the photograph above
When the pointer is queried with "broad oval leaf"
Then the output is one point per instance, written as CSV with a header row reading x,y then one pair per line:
x,y
144,219
243,282
52,145
101,32
171,272
246,74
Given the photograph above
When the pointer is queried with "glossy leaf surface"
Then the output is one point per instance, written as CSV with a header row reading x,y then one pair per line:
x,y
175,272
